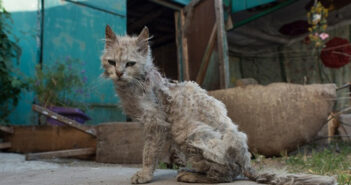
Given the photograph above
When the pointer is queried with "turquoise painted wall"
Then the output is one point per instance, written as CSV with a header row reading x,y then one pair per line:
x,y
239,5
71,30
25,28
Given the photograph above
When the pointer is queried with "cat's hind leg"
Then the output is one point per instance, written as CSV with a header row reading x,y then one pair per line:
x,y
203,170
194,177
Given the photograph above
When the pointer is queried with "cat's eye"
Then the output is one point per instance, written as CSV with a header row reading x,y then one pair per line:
x,y
111,62
130,63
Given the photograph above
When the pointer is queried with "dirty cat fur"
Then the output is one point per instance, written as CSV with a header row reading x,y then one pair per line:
x,y
185,116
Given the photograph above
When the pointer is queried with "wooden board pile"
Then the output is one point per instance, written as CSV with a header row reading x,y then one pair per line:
x,y
109,142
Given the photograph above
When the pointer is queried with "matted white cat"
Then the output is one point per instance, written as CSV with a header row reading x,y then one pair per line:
x,y
183,115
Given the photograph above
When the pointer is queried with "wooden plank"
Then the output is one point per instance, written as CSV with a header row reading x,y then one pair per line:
x,y
184,47
31,139
5,129
206,58
60,153
197,33
64,120
120,143
222,46
178,44
5,145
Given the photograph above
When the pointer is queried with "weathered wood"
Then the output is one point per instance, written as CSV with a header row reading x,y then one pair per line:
x,y
184,47
178,44
197,33
188,11
31,139
64,120
120,143
5,129
222,46
167,4
5,145
207,55
60,153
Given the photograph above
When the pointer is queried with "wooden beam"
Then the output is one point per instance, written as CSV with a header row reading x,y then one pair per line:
x,y
61,153
167,4
146,19
206,58
5,129
184,47
222,46
5,145
178,39
64,120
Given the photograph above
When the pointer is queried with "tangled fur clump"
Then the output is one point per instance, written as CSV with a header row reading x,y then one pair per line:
x,y
183,115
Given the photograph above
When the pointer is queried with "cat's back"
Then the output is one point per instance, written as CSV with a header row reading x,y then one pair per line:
x,y
194,101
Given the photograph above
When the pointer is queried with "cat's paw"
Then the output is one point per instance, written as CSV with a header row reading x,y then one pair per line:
x,y
141,177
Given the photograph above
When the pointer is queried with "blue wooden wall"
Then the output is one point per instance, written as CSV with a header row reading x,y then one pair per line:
x,y
71,29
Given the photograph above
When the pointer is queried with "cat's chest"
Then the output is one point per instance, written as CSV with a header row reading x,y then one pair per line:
x,y
136,105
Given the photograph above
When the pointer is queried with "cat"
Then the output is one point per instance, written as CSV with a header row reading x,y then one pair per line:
x,y
184,115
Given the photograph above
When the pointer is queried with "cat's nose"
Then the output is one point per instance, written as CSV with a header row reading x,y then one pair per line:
x,y
119,74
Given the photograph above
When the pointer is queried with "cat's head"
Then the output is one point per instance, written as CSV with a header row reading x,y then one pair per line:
x,y
126,59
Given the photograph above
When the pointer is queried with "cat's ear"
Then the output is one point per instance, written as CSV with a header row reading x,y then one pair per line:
x,y
110,37
143,40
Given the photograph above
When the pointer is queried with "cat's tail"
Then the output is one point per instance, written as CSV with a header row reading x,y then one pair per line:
x,y
281,178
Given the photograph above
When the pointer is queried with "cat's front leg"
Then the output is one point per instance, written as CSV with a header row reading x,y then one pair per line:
x,y
155,137
149,158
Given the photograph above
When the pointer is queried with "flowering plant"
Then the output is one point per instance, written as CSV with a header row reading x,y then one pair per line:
x,y
317,18
60,84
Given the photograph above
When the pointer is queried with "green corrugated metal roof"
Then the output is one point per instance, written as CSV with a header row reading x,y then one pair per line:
x,y
237,5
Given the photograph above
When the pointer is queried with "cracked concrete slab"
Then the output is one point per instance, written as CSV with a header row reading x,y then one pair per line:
x,y
14,170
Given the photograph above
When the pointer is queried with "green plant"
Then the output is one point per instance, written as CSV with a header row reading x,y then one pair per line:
x,y
60,84
10,83
334,160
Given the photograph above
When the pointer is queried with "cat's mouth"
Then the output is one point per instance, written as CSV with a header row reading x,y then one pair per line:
x,y
121,80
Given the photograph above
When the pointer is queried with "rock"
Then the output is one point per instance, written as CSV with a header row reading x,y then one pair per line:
x,y
279,116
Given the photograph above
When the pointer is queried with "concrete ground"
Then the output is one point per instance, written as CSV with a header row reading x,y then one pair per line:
x,y
14,170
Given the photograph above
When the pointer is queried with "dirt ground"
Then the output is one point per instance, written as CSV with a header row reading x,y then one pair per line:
x,y
14,170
